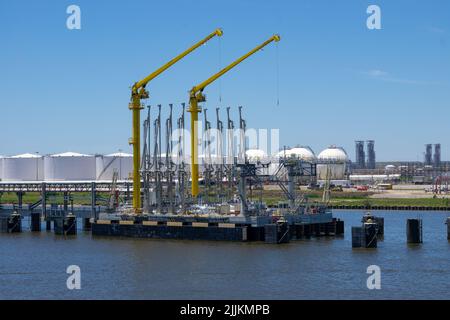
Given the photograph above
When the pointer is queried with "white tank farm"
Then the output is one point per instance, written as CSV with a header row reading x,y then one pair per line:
x,y
69,166
23,167
107,164
333,160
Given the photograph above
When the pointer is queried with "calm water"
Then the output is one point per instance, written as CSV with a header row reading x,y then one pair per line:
x,y
33,265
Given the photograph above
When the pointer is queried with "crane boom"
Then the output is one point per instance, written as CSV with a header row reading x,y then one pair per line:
x,y
138,92
197,96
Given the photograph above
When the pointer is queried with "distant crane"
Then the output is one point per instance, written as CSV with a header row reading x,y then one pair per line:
x,y
196,96
138,92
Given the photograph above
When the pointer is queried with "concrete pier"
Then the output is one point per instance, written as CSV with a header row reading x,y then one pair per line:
x,y
414,230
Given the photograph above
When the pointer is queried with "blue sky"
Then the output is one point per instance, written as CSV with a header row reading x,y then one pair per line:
x,y
338,81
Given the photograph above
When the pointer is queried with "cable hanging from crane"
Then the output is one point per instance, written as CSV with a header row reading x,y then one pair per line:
x,y
277,61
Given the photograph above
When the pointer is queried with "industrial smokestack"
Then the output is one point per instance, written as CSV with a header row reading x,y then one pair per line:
x,y
437,155
428,154
370,154
360,160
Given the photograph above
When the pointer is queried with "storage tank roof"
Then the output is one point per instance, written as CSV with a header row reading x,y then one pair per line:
x,y
333,153
70,154
255,153
26,156
301,152
119,154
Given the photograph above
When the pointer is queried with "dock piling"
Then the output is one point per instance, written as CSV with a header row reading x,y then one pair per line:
x,y
414,230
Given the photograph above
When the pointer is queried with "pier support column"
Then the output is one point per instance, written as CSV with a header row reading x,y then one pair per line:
x,y
448,228
44,201
66,226
66,202
48,225
414,230
35,221
20,200
93,200
339,227
15,223
87,225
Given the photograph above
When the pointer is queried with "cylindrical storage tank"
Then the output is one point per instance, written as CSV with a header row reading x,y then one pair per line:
x,y
69,166
389,168
107,164
332,164
23,167
1,168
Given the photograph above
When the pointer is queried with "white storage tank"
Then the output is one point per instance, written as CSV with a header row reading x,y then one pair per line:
x,y
302,153
1,168
120,162
69,166
23,167
333,160
390,168
255,155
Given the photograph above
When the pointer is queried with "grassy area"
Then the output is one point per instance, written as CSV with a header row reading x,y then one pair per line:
x,y
359,199
81,198
417,202
271,197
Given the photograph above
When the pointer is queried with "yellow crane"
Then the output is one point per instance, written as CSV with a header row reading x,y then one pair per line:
x,y
196,96
139,92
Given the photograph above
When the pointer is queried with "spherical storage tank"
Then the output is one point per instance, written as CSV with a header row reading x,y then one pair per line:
x,y
107,164
255,155
332,162
302,153
23,167
69,166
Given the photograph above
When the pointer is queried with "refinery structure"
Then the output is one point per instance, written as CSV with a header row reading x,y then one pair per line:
x,y
194,189
199,177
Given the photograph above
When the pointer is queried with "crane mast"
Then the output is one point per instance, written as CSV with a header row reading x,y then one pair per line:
x,y
138,92
196,96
